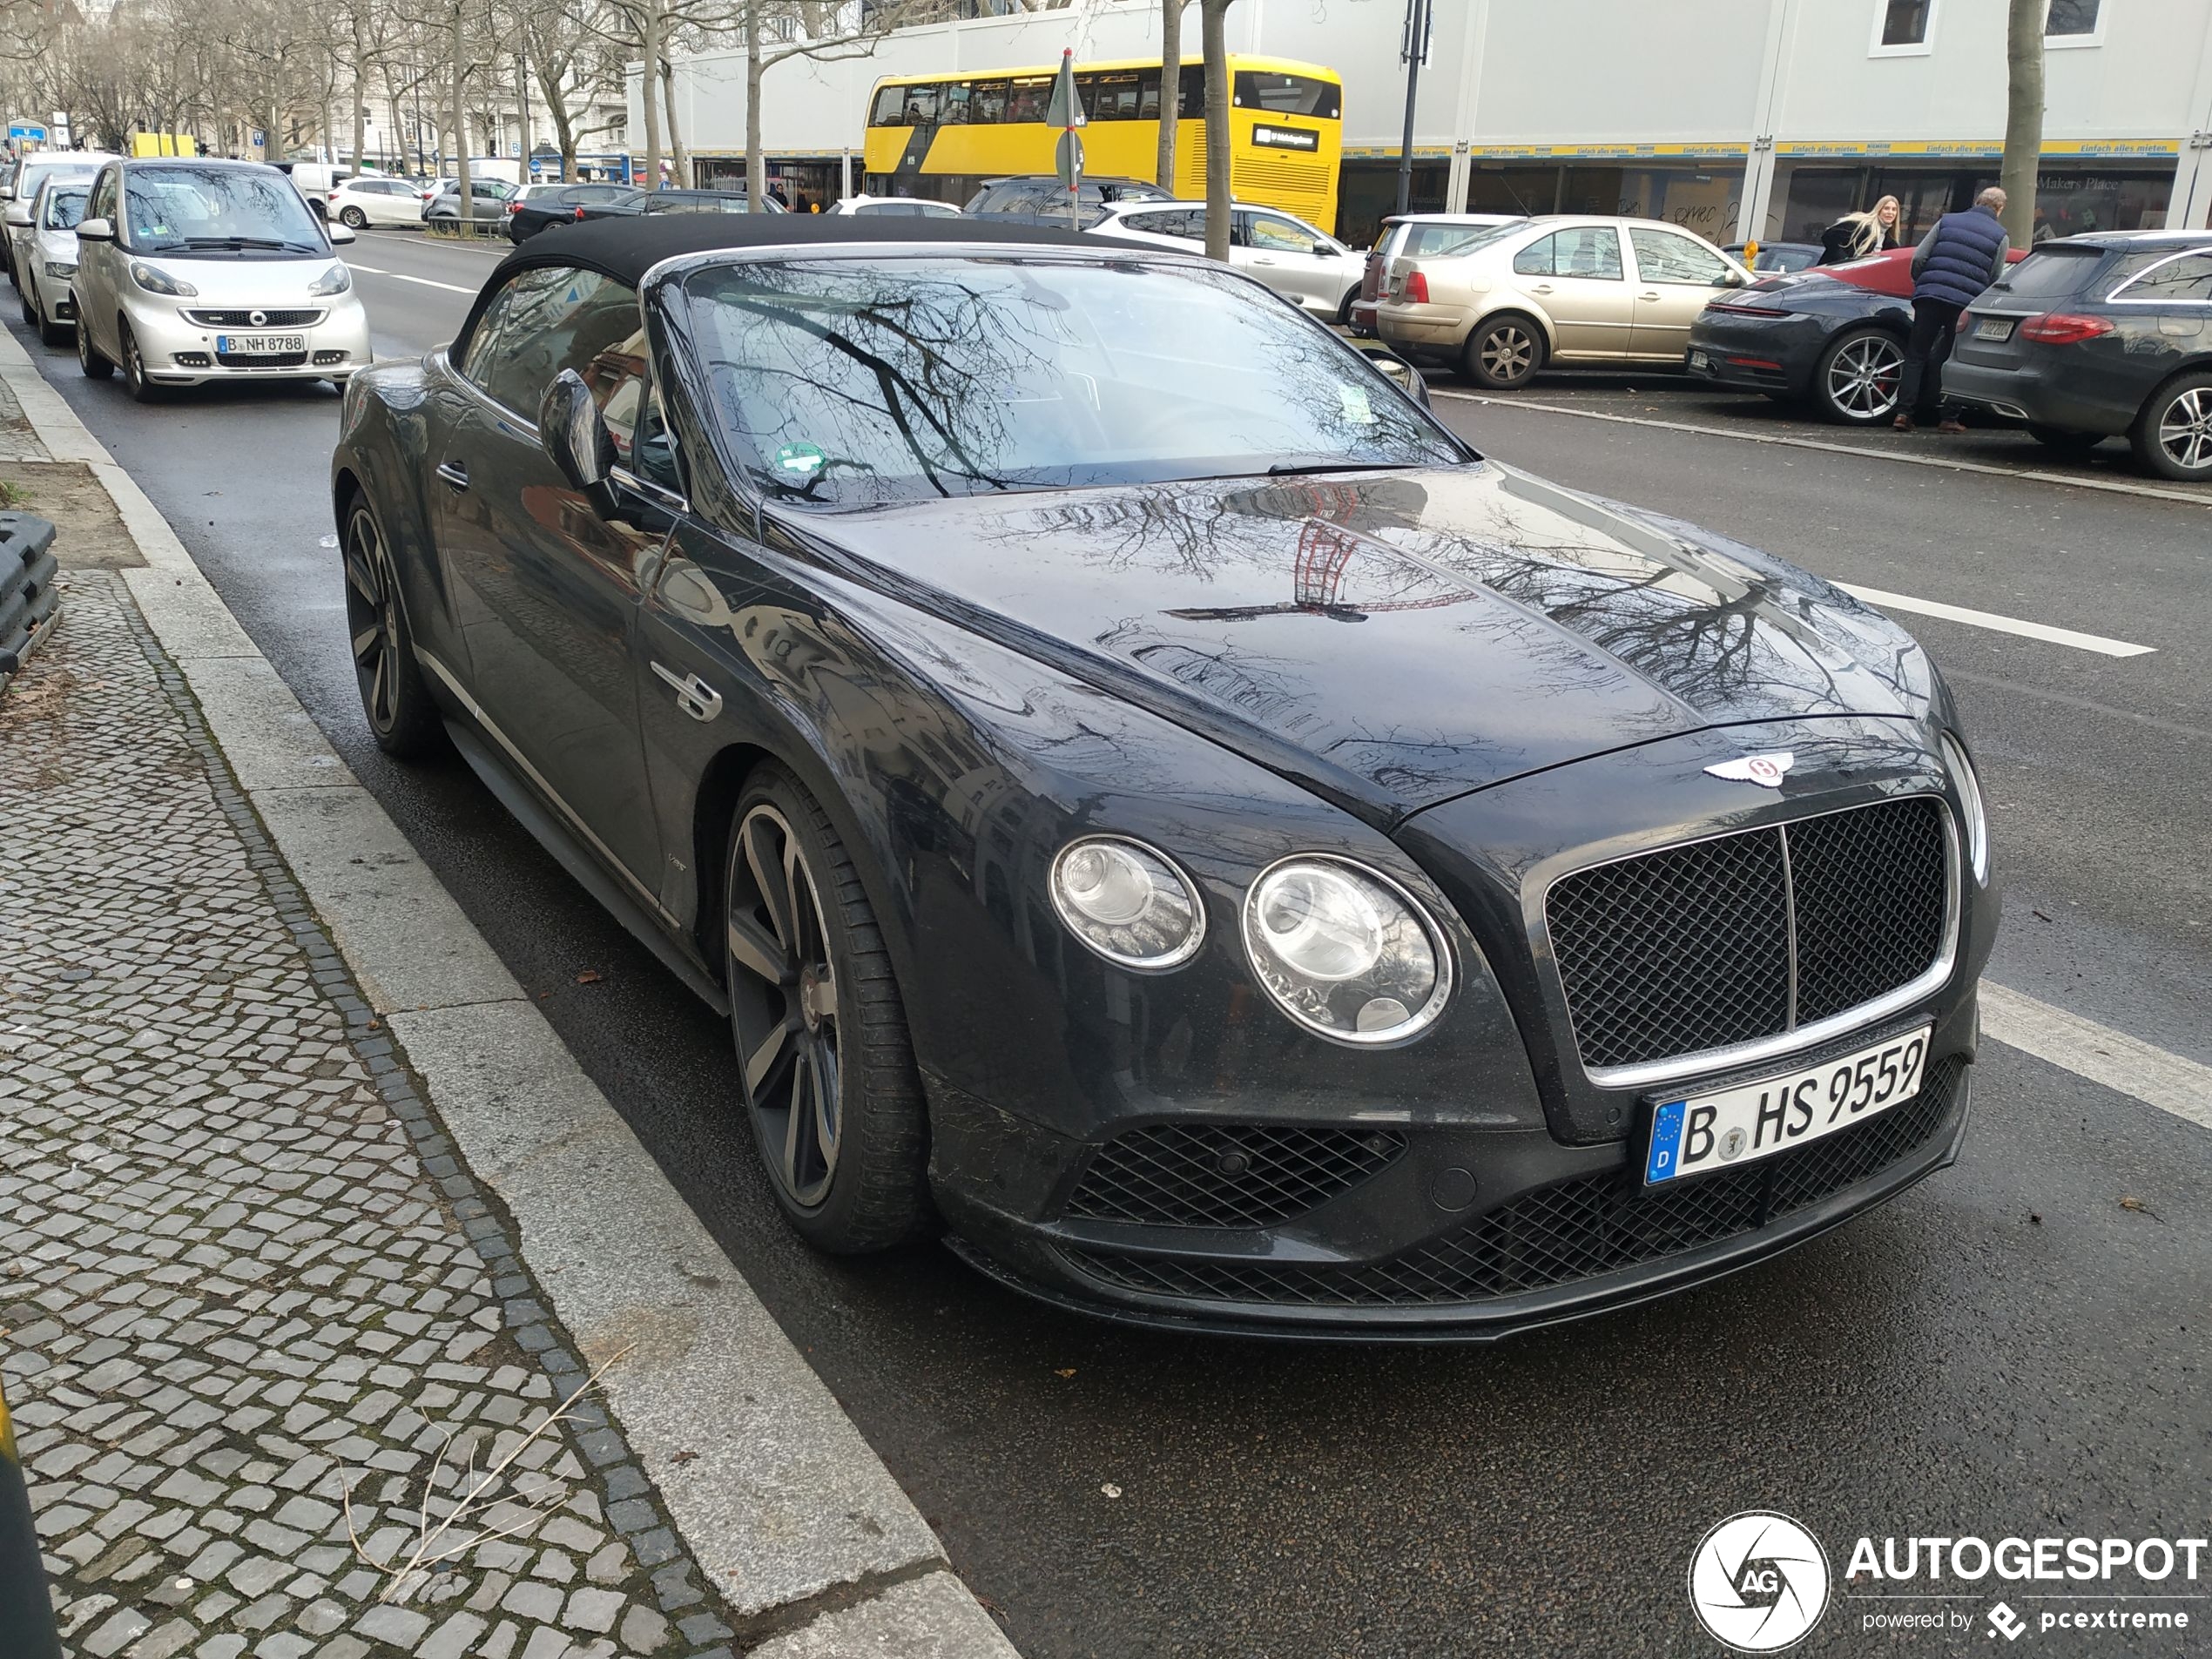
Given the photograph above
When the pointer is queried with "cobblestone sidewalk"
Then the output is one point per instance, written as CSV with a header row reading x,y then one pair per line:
x,y
241,1273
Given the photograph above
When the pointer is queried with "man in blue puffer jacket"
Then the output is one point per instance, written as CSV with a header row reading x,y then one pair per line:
x,y
1956,261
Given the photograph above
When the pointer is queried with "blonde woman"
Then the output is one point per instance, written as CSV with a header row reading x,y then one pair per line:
x,y
1856,235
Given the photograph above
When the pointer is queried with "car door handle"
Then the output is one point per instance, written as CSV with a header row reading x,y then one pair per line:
x,y
1648,293
693,695
454,473
1261,259
1540,287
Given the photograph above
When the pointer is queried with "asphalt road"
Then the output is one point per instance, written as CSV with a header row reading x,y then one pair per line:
x,y
2006,1349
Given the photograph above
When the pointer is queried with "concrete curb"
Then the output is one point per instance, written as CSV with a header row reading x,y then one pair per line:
x,y
786,1509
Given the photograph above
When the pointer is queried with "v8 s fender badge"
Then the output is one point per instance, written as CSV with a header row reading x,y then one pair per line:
x,y
1755,769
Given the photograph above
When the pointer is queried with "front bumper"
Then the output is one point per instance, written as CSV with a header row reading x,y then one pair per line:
x,y
180,348
1542,1233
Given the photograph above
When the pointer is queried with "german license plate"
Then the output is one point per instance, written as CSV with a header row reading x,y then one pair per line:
x,y
1993,329
1698,359
259,345
1733,1126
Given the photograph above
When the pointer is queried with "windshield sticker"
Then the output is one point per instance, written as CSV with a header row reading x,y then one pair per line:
x,y
1357,410
800,461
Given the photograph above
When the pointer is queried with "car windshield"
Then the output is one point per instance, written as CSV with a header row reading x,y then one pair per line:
x,y
216,210
65,207
846,384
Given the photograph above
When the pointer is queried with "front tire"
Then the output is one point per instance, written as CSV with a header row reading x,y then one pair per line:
x,y
1504,353
353,218
2173,435
825,1063
95,366
1858,377
49,332
134,366
395,696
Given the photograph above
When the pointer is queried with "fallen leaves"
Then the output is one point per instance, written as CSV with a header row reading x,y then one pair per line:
x,y
2136,1206
590,976
1069,1373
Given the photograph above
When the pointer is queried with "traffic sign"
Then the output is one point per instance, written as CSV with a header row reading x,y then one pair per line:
x,y
1064,110
28,132
1067,159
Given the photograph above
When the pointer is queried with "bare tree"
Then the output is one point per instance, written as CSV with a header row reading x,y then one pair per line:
x,y
819,31
1213,15
1171,87
2023,117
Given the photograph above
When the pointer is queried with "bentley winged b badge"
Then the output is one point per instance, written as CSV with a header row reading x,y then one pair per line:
x,y
1766,770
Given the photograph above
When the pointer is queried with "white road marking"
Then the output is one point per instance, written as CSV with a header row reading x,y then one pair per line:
x,y
2116,486
450,287
1884,600
2126,1064
355,265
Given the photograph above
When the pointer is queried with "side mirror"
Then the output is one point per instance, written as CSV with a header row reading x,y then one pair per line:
x,y
1731,279
1326,250
1399,373
18,215
96,230
574,435
339,233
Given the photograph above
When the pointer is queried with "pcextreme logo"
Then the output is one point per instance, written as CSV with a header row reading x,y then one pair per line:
x,y
1758,1582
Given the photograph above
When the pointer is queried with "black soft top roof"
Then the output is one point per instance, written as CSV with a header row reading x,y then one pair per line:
x,y
625,249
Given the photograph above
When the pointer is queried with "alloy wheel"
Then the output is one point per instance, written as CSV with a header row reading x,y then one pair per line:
x,y
1507,353
2185,429
1863,377
372,620
784,1006
354,220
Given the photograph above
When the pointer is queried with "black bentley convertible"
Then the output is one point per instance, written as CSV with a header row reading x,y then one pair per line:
x,y
1155,805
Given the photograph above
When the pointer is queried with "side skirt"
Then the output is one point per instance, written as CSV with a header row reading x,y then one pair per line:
x,y
554,836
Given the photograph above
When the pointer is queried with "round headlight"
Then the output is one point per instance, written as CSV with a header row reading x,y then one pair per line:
x,y
1346,951
1976,824
1128,902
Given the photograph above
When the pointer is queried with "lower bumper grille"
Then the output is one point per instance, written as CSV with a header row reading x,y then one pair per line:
x,y
254,320
1226,1175
262,359
1576,1230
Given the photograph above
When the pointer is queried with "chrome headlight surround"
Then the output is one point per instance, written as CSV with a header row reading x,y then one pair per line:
x,y
1977,816
1348,978
336,279
1128,902
156,281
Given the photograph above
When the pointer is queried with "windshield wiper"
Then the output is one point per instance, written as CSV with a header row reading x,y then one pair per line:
x,y
242,242
1282,468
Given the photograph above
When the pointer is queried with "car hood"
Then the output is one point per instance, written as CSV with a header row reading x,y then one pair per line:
x,y
1394,640
227,282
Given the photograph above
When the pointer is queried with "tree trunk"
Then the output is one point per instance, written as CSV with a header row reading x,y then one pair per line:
x,y
458,46
2023,117
1170,88
678,156
756,165
361,98
523,107
649,89
1214,25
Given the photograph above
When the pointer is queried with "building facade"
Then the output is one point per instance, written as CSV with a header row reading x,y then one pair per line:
x,y
1735,118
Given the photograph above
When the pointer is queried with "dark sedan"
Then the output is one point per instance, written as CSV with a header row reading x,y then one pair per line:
x,y
2097,336
1151,802
1832,337
539,206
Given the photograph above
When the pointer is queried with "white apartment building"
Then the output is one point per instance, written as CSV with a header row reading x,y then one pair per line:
x,y
1734,117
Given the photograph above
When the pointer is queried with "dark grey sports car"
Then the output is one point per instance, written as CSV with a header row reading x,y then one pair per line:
x,y
1156,806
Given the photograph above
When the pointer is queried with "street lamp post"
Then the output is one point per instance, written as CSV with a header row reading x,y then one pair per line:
x,y
1418,15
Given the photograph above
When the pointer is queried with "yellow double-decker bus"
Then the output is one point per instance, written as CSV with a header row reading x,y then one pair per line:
x,y
940,135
